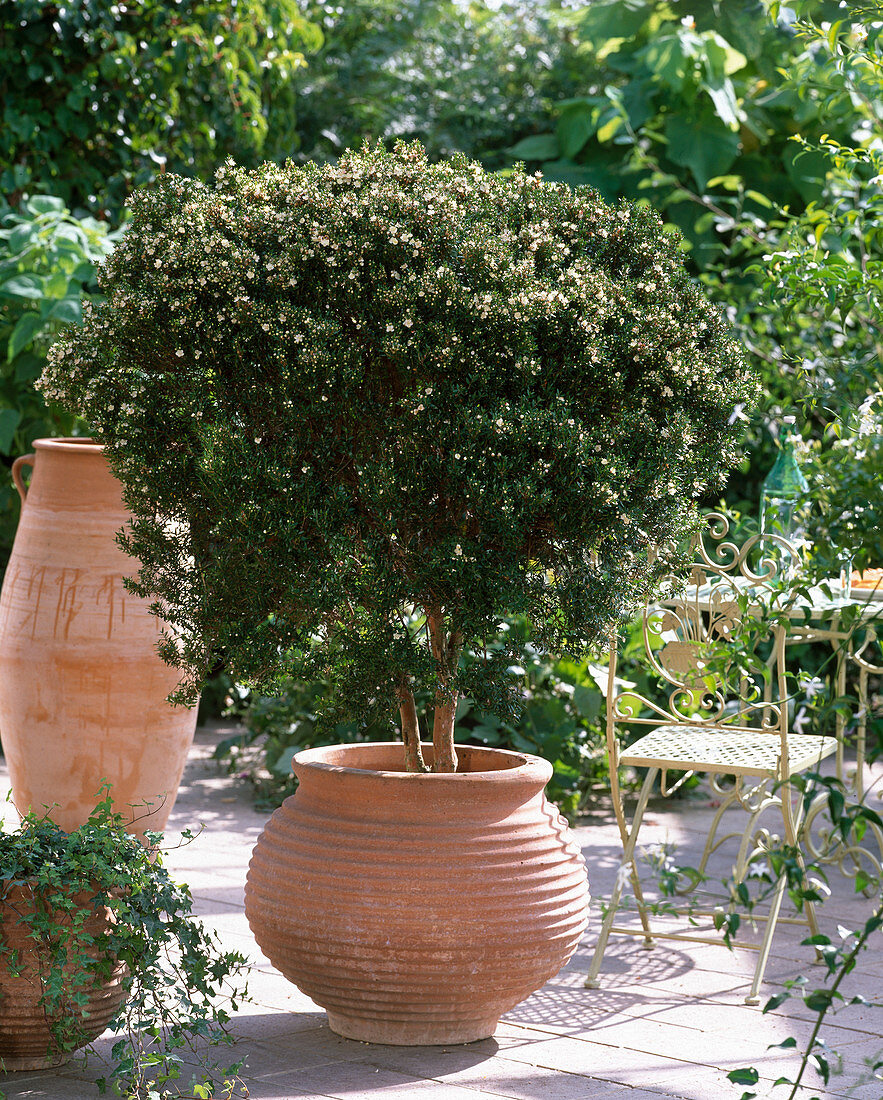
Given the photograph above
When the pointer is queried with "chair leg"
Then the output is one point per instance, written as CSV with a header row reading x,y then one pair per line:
x,y
628,860
792,830
772,920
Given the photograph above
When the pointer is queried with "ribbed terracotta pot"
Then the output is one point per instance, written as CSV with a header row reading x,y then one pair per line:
x,y
82,688
417,909
26,1039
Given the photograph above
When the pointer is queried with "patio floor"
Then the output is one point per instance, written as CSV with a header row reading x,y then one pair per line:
x,y
667,1023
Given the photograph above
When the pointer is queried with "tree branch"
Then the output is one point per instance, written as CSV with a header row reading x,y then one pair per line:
x,y
410,728
446,650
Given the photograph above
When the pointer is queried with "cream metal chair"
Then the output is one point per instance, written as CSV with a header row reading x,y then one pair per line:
x,y
724,716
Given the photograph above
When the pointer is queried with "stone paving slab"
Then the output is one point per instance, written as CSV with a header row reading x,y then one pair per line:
x,y
667,1023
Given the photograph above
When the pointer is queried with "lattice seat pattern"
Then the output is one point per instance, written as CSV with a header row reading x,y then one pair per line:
x,y
732,752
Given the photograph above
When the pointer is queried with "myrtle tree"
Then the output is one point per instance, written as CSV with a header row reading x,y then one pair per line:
x,y
362,411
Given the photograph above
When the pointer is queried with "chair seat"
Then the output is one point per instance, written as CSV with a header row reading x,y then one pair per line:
x,y
731,752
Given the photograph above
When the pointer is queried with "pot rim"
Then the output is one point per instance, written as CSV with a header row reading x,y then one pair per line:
x,y
69,443
524,767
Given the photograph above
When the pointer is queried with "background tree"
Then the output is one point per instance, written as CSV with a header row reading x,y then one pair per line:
x,y
459,78
95,96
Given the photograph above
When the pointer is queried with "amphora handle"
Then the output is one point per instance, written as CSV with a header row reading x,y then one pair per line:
x,y
25,460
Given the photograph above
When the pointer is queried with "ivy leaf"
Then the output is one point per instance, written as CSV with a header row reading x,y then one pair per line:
x,y
746,1076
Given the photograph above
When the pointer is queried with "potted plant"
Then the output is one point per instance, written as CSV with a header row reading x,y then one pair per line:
x,y
362,412
95,935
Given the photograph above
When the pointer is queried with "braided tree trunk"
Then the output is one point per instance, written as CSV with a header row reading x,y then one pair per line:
x,y
446,650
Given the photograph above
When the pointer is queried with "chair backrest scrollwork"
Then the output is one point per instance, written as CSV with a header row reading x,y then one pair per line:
x,y
710,643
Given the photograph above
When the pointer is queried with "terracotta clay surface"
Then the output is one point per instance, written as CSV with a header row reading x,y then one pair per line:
x,y
416,909
82,688
26,1041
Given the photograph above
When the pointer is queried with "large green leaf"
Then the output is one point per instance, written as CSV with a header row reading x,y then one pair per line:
x,y
68,310
22,286
721,57
667,58
47,204
575,127
807,169
539,147
587,702
584,175
723,96
637,100
603,20
9,421
22,236
27,326
56,284
28,366
703,145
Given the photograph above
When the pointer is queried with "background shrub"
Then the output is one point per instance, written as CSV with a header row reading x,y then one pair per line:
x,y
48,261
96,96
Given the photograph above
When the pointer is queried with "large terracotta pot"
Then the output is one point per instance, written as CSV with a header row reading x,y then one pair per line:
x,y
416,909
27,1040
82,688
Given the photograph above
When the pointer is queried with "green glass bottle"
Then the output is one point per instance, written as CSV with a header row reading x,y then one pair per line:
x,y
784,494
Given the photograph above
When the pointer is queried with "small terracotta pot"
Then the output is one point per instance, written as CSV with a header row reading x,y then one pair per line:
x,y
82,687
417,909
26,1038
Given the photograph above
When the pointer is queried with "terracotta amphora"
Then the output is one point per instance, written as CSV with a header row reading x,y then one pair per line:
x,y
417,908
82,687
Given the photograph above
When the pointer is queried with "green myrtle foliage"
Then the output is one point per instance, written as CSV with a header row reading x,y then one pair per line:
x,y
97,95
48,260
178,982
341,395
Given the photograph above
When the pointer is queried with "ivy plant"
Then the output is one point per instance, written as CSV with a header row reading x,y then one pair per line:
x,y
341,396
177,981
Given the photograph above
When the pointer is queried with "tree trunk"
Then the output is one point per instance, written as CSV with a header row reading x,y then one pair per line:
x,y
446,650
410,728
